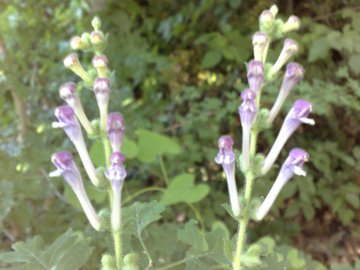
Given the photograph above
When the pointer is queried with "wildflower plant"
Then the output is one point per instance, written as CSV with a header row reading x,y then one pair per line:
x,y
109,129
255,119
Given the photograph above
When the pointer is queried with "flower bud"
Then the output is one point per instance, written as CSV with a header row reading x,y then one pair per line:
x,y
96,23
67,121
226,157
115,130
294,73
69,95
67,168
291,47
260,44
247,112
274,10
72,62
77,43
266,21
292,165
116,174
255,75
102,93
96,37
100,63
293,23
297,115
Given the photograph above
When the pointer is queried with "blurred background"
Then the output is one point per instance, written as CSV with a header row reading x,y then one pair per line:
x,y
179,68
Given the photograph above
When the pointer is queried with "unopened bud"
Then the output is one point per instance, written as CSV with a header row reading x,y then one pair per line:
x,y
96,37
292,24
266,21
96,23
100,63
260,44
291,47
72,62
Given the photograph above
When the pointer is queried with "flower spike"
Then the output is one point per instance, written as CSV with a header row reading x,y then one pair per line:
x,y
69,95
116,174
292,165
247,112
226,157
297,115
294,73
67,121
67,168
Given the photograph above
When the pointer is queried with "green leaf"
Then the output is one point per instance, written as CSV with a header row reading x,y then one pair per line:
x,y
63,254
192,236
353,199
319,49
354,63
211,59
138,216
295,260
235,3
151,145
183,189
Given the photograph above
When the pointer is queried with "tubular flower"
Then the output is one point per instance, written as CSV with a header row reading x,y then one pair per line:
x,y
226,157
291,47
247,112
261,45
294,73
68,94
116,174
115,130
255,75
102,94
67,121
72,62
100,63
297,115
67,168
292,165
293,23
266,21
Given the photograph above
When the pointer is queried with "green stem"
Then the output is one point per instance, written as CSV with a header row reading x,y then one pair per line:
x,y
243,223
118,253
198,216
131,197
163,170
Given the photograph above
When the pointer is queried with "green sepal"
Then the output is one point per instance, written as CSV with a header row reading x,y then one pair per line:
x,y
108,262
131,262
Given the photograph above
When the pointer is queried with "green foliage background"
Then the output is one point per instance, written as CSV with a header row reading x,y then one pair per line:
x,y
179,69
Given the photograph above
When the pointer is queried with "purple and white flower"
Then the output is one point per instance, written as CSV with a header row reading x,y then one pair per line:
x,y
247,112
294,73
102,94
115,130
292,165
260,43
67,168
69,123
226,157
69,95
116,174
100,63
255,75
297,115
290,48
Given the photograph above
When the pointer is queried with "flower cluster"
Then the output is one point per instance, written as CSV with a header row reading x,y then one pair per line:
x,y
254,119
71,117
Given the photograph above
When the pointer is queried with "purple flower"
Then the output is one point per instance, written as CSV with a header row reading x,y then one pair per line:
x,y
297,115
291,47
116,174
69,95
294,73
67,168
260,43
292,165
247,112
72,62
255,75
102,93
226,157
115,130
67,121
